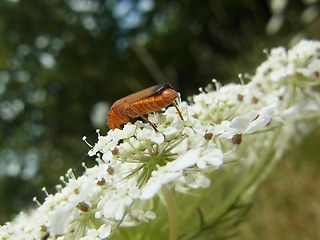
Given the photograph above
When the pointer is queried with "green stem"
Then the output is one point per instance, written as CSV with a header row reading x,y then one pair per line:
x,y
253,178
172,212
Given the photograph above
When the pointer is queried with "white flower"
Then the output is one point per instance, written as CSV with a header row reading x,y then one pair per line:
x,y
160,177
133,164
4,234
114,203
59,220
104,231
155,137
186,160
210,157
195,181
200,156
95,234
247,124
281,64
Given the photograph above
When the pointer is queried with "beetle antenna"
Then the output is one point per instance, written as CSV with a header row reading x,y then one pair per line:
x,y
178,99
178,110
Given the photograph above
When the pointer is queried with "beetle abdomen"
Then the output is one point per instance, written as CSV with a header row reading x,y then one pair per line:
x,y
115,119
155,102
132,106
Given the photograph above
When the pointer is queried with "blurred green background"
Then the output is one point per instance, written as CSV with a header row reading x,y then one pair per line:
x,y
64,62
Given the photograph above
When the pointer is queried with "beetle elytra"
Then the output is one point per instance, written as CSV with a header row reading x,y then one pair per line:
x,y
135,105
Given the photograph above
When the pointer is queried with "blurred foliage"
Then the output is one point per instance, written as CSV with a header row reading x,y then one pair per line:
x,y
62,61
288,203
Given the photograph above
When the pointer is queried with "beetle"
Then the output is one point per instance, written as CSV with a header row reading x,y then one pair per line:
x,y
137,104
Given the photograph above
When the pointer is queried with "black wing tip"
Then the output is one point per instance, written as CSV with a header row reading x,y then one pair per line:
x,y
158,88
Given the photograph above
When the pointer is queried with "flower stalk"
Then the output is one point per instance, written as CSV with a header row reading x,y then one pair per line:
x,y
169,199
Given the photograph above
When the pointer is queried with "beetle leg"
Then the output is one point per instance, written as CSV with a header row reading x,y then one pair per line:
x,y
147,120
178,110
138,113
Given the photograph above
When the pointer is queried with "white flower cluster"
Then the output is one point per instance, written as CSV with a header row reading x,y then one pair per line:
x,y
277,89
136,162
175,154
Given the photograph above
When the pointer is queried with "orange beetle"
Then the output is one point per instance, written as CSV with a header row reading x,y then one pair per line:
x,y
143,102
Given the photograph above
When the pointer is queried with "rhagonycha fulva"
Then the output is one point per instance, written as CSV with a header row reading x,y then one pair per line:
x,y
138,104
